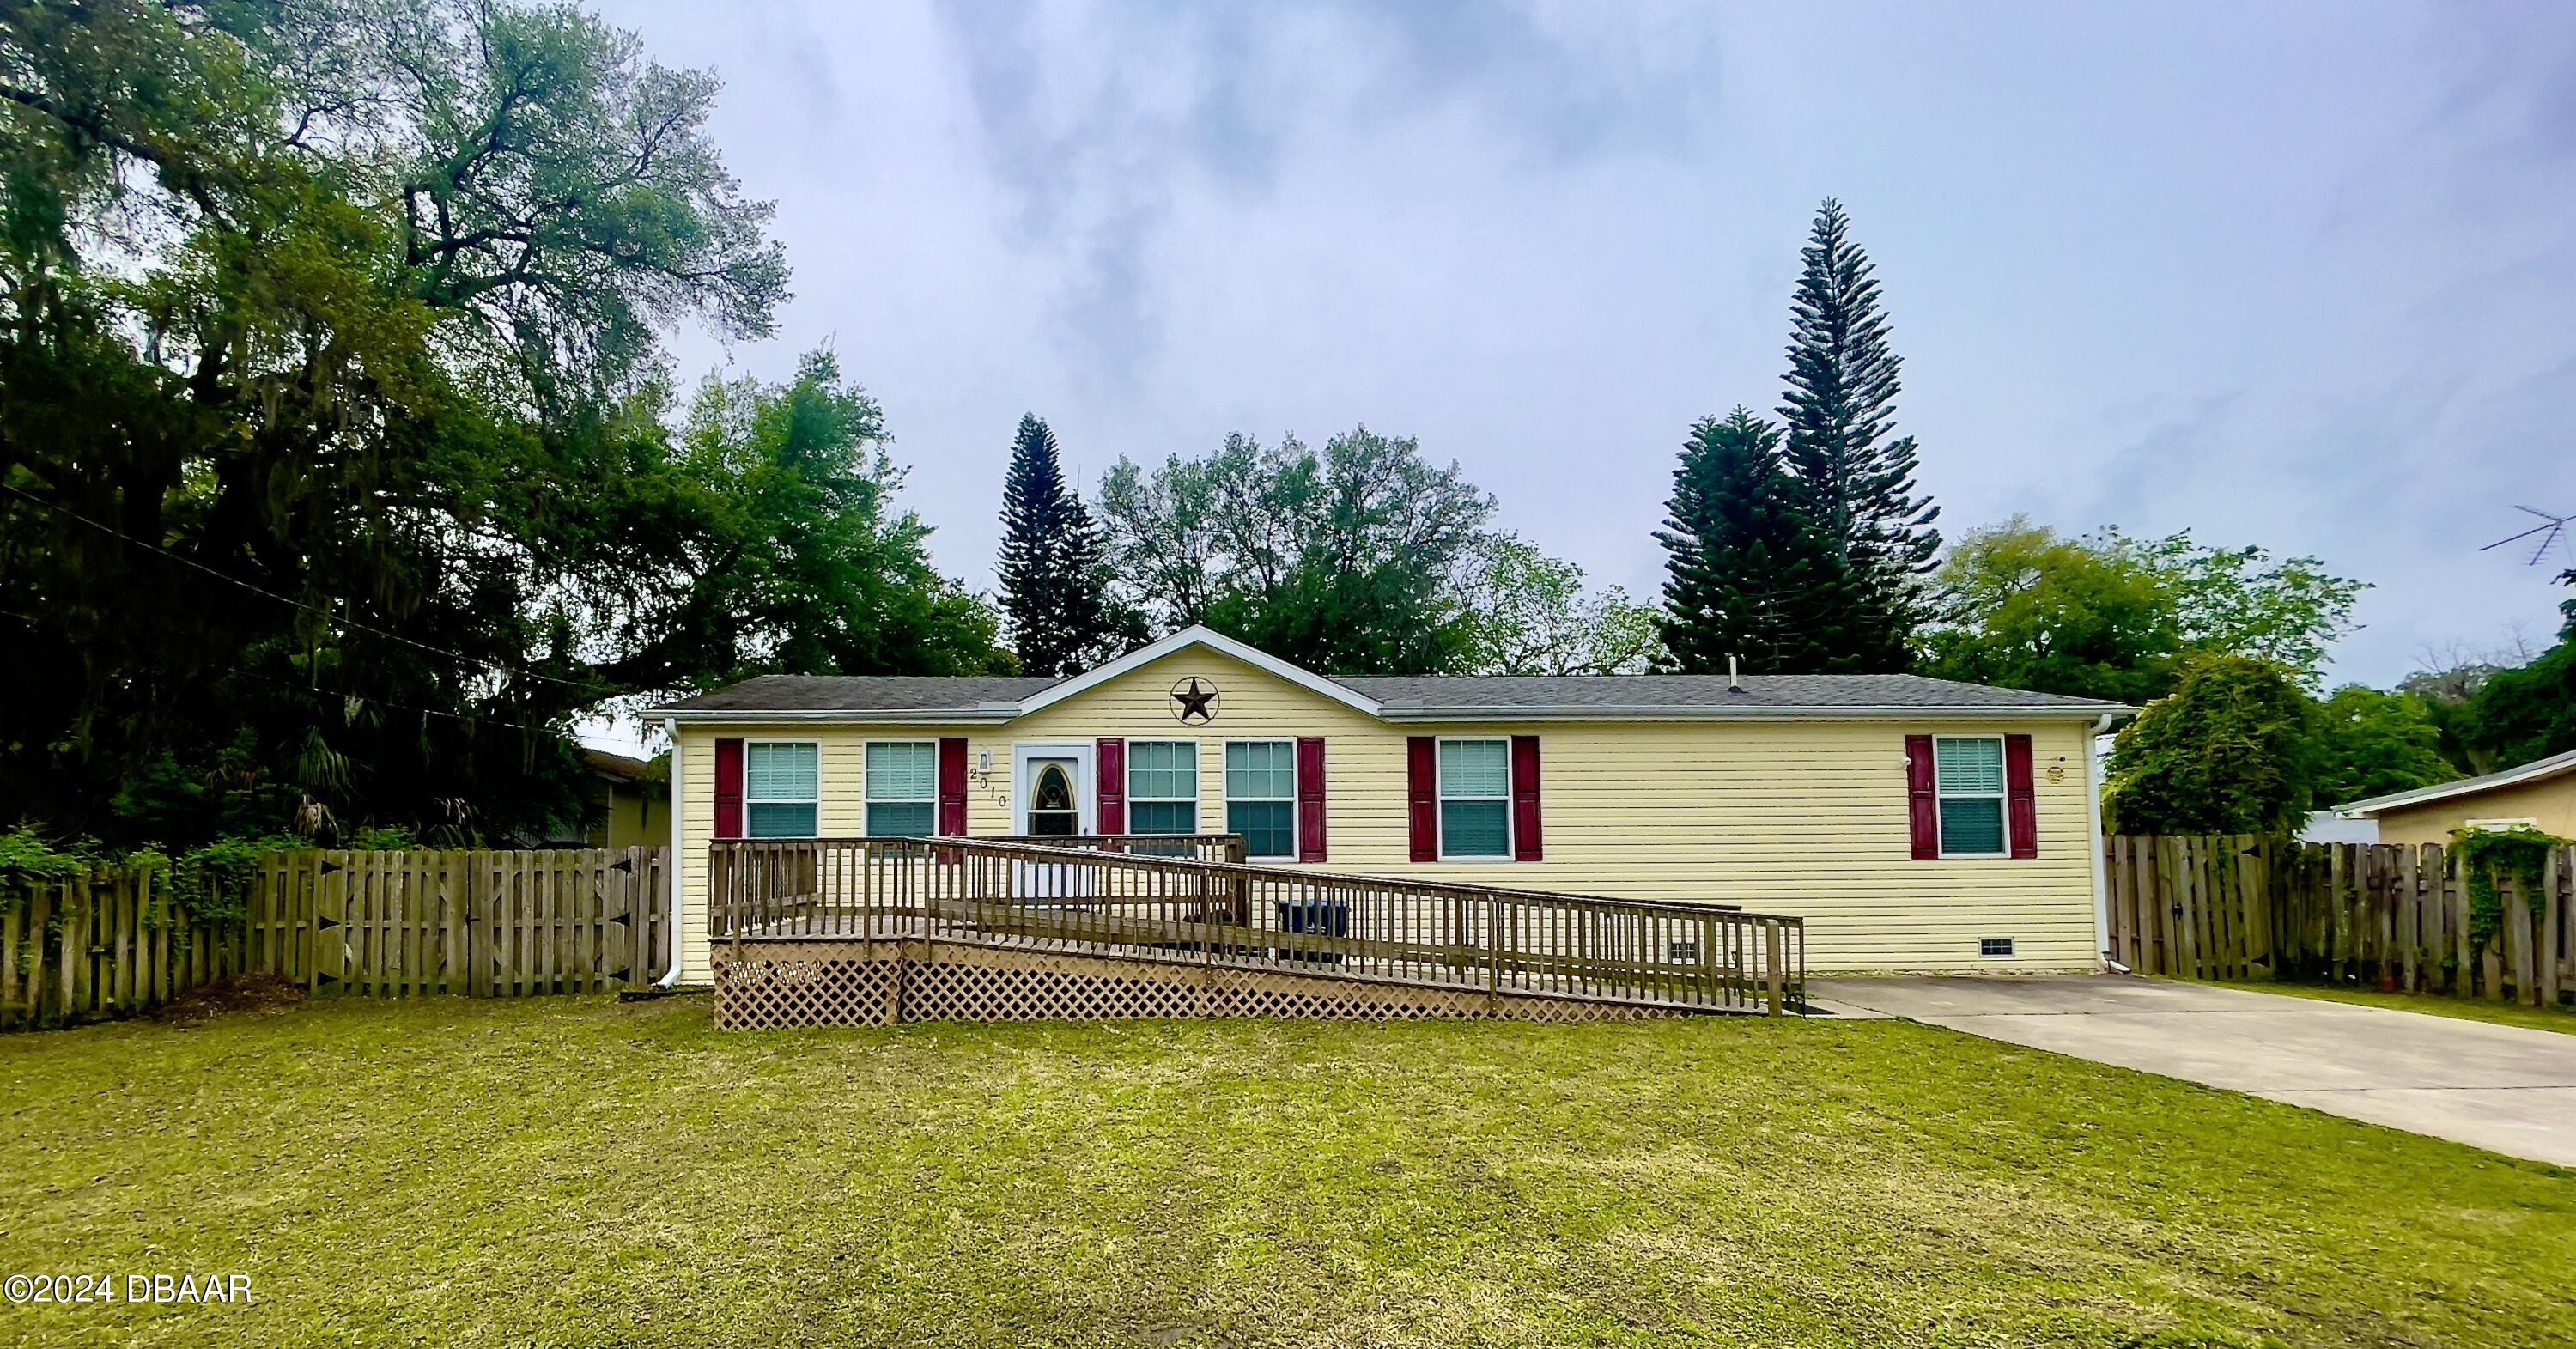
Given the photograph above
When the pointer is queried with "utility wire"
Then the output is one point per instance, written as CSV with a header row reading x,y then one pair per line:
x,y
326,615
369,699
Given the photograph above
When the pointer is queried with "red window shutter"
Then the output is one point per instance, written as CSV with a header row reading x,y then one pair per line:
x,y
729,788
952,784
1310,798
2021,805
1922,813
1109,798
1525,821
1421,789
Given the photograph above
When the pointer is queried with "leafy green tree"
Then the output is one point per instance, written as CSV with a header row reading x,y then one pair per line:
x,y
2529,712
1851,481
2231,750
2107,616
1525,613
787,554
337,480
1172,531
1344,561
1745,575
2025,608
2371,743
2288,612
1054,570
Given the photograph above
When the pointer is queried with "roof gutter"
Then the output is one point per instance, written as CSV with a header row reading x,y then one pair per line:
x,y
985,714
2094,712
2536,770
679,858
989,714
2093,834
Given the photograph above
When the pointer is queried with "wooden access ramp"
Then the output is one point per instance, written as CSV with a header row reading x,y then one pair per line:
x,y
879,931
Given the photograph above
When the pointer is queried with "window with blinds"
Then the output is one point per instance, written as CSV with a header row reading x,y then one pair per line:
x,y
902,788
1968,780
1261,796
782,788
1475,798
1162,787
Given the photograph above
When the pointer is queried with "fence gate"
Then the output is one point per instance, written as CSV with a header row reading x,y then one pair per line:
x,y
470,922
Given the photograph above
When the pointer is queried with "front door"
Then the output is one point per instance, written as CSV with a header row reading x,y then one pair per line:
x,y
1054,797
1051,790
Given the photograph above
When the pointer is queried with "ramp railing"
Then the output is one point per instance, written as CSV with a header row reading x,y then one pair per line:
x,y
1120,896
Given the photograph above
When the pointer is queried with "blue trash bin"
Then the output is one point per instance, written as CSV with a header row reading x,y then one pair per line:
x,y
1321,917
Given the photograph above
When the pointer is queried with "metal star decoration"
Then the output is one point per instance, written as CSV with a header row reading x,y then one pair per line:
x,y
1193,701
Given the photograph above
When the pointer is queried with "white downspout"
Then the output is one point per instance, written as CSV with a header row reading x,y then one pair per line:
x,y
680,856
2093,831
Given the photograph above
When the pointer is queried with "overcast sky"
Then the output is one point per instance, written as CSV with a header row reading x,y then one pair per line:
x,y
2291,275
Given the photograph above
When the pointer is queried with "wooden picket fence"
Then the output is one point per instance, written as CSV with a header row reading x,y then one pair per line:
x,y
2390,916
108,942
474,923
115,941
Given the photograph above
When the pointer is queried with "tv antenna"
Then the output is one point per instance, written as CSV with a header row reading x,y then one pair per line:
x,y
2551,529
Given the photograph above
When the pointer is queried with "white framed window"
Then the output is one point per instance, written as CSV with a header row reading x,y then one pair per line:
x,y
1475,799
902,788
1162,787
782,788
1261,796
1968,784
2526,822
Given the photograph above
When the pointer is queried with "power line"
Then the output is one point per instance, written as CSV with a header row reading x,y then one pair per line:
x,y
281,681
368,698
326,615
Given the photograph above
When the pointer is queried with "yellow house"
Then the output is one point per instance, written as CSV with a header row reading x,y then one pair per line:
x,y
634,803
1912,823
2541,794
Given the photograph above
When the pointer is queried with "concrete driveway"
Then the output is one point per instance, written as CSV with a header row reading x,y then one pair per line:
x,y
2503,1088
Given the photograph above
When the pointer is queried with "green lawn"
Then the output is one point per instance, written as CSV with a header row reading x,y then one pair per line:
x,y
2560,1019
574,1171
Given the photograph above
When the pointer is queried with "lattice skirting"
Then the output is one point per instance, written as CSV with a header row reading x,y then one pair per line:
x,y
783,984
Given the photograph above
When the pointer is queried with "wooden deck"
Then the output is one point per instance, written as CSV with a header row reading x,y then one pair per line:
x,y
1134,910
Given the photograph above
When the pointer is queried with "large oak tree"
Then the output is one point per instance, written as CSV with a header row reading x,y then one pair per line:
x,y
339,469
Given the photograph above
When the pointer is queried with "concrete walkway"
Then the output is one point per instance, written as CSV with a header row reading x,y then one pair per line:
x,y
2502,1088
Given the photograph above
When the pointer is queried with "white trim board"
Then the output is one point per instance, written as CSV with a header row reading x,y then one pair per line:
x,y
1214,641
1086,779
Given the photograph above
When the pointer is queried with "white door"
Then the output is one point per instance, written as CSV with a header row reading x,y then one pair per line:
x,y
1052,806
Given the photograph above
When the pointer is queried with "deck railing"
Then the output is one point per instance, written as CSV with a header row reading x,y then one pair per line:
x,y
1197,847
1111,896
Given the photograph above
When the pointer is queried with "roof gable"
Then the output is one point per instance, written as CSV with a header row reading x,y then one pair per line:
x,y
1197,636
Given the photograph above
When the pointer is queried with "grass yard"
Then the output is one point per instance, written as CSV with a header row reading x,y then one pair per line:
x,y
2560,1019
577,1172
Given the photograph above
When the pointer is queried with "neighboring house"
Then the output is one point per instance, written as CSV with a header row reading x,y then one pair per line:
x,y
2325,826
629,804
1913,823
2541,794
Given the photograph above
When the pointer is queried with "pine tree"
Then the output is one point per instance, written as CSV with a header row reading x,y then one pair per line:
x,y
1850,481
1054,567
1745,575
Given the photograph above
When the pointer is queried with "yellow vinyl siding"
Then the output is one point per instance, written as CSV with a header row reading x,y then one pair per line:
x,y
1801,817
2550,803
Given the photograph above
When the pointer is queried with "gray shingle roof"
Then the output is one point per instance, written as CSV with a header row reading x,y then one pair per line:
x,y
862,693
1425,695
1662,692
2533,771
